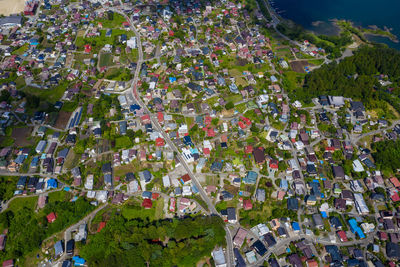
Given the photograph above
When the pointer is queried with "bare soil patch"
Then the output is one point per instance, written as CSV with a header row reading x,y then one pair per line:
x,y
21,135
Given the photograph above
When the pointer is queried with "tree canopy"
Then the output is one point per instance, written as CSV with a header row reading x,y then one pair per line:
x,y
159,243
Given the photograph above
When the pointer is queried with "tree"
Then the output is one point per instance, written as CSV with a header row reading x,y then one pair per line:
x,y
229,105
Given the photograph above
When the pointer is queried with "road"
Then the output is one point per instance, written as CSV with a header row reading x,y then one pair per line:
x,y
285,242
154,120
355,139
67,232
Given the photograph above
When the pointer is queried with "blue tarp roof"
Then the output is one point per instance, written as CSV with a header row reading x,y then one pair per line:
x,y
52,183
78,261
295,226
323,214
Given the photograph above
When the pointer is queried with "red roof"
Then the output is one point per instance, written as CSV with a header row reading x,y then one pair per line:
x,y
88,48
160,142
342,235
383,236
101,226
248,149
395,181
206,151
247,205
171,33
145,119
241,125
51,217
273,164
395,197
210,132
155,195
312,263
185,178
207,120
160,117
147,203
8,263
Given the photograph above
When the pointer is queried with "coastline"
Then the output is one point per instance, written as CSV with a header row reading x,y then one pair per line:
x,y
366,34
8,7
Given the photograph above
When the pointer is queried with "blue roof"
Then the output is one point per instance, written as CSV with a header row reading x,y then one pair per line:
x,y
78,261
66,189
356,229
284,184
146,194
194,189
295,226
52,183
323,214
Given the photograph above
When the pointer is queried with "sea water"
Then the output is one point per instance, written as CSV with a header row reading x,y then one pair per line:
x,y
317,15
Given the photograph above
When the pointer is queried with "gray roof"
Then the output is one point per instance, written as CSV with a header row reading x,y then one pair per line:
x,y
11,20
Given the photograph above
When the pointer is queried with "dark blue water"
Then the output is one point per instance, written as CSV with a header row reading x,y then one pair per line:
x,y
317,15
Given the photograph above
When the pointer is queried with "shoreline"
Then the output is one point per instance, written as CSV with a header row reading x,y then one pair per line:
x,y
372,30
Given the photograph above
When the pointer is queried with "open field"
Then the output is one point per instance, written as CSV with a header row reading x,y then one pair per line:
x,y
298,66
62,119
20,135
11,7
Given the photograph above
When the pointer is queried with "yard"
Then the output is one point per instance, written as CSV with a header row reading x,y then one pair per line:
x,y
120,171
133,209
51,95
238,77
106,60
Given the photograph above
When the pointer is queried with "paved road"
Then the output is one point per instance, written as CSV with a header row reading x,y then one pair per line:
x,y
154,120
67,232
355,139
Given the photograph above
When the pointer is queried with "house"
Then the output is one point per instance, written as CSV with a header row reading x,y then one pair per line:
x,y
247,205
147,203
51,217
292,204
259,155
8,263
342,236
251,178
2,241
231,215
317,220
295,260
239,237
259,247
393,250
59,248
219,257
338,172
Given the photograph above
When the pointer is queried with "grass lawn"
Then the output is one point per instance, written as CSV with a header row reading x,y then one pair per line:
x,y
233,98
51,95
159,203
20,203
106,59
20,82
123,142
115,23
20,50
120,171
59,196
292,80
71,160
241,107
133,209
238,77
